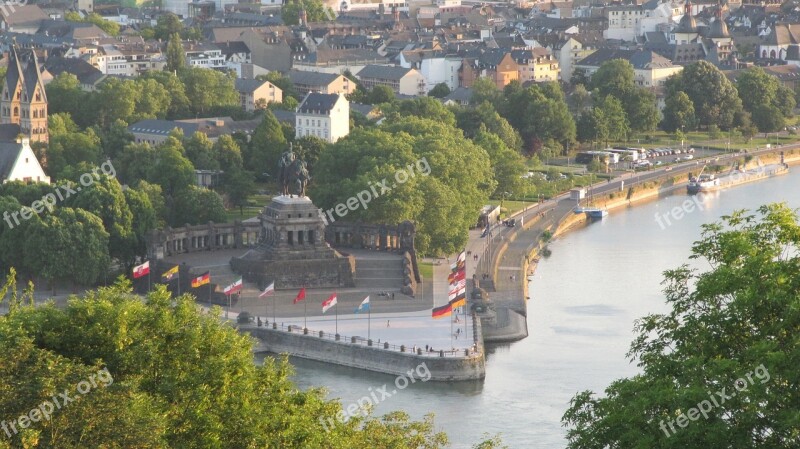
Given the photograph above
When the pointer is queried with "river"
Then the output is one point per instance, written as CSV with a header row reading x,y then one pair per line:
x,y
584,301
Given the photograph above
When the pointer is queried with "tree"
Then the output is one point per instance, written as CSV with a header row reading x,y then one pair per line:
x,y
105,199
678,113
112,28
579,76
766,98
440,90
144,219
615,119
315,10
67,245
72,148
470,119
114,139
729,329
539,113
592,126
195,205
614,77
227,153
199,151
167,25
116,100
64,94
266,147
579,99
175,56
179,106
485,90
715,99
309,149
768,118
423,107
134,162
168,375
206,89
508,165
238,185
641,110
153,100
380,94
169,168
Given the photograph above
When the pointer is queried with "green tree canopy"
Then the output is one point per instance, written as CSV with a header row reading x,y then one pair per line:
x,y
440,90
766,98
316,11
266,146
197,205
715,99
176,58
207,89
614,77
731,329
678,113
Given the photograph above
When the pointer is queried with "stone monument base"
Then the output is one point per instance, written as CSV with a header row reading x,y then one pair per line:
x,y
311,273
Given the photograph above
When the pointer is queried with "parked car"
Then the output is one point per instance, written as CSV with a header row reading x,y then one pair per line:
x,y
659,163
690,150
511,222
689,157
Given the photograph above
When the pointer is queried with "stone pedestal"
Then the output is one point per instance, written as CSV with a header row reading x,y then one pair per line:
x,y
292,250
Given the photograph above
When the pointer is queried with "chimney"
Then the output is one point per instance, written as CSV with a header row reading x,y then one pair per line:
x,y
303,17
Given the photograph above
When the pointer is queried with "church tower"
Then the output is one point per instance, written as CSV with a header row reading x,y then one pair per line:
x,y
23,100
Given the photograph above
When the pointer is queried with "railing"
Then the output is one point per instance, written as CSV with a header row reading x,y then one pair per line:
x,y
361,341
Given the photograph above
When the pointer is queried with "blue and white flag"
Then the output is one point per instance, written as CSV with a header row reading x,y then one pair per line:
x,y
364,305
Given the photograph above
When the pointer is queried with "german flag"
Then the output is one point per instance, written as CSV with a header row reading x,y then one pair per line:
x,y
441,312
458,301
201,280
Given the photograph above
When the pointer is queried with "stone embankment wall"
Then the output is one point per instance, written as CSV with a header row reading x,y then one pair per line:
x,y
356,352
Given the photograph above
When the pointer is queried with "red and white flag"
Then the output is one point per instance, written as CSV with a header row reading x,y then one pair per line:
x,y
328,303
233,288
141,270
270,289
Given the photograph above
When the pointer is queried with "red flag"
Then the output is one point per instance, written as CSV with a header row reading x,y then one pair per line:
x,y
141,270
300,296
328,303
456,276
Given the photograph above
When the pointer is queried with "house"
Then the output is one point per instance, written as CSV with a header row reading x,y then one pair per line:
x,y
88,76
536,65
326,116
324,83
257,94
493,63
24,101
18,162
569,51
649,68
460,96
156,131
205,55
403,81
21,18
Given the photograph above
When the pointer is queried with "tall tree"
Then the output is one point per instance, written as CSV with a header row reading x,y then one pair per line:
x,y
613,77
227,153
678,113
266,146
641,110
176,59
207,89
315,10
766,98
170,169
719,368
714,97
197,205
440,90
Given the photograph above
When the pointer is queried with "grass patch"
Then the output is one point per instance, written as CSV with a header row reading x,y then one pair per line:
x,y
426,270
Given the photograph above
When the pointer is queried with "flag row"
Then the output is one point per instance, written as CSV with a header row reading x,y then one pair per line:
x,y
457,288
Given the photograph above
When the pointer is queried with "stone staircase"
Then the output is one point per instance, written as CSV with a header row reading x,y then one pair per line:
x,y
379,274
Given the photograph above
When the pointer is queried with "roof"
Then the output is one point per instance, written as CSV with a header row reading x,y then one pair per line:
x,y
602,55
23,14
647,59
460,94
248,85
318,103
162,127
311,78
383,72
86,73
9,153
9,132
230,48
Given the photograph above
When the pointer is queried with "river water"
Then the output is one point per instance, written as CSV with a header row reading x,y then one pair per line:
x,y
584,301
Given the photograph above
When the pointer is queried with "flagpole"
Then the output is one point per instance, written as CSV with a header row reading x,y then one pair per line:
x,y
229,306
369,316
273,308
149,277
179,281
336,309
305,314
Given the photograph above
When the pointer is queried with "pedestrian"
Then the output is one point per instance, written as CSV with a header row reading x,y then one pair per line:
x,y
426,348
387,323
392,295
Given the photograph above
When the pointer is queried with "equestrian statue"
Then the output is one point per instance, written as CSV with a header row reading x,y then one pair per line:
x,y
292,171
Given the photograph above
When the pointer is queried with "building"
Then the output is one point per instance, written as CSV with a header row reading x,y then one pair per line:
x,y
19,163
156,131
21,18
324,83
649,68
326,116
255,94
493,63
536,65
24,101
403,81
568,52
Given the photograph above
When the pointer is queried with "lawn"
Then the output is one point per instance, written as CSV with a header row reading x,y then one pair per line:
x,y
426,270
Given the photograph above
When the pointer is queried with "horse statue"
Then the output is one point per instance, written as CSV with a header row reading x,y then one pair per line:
x,y
292,171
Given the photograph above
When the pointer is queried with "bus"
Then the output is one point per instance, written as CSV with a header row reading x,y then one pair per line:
x,y
586,157
630,153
